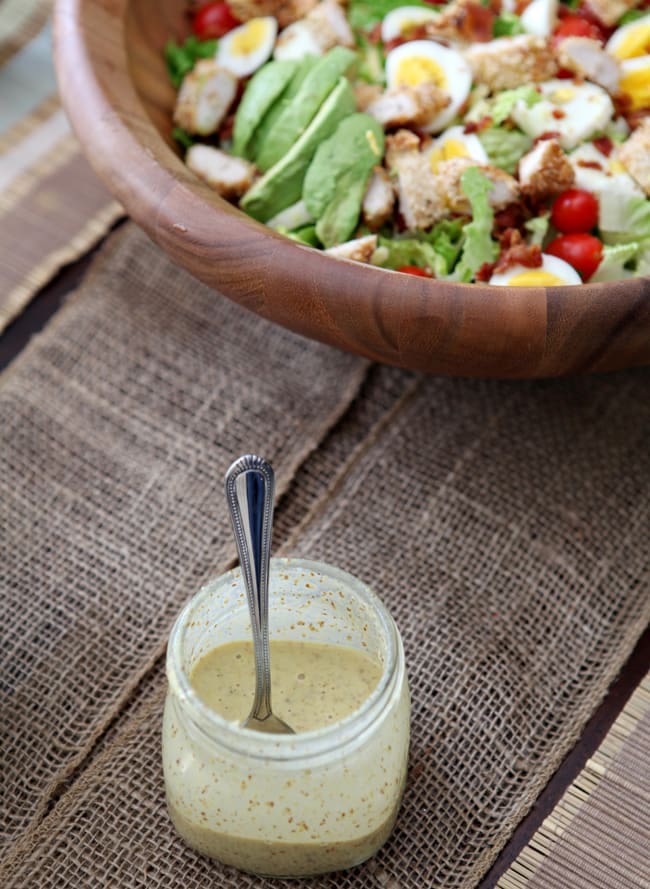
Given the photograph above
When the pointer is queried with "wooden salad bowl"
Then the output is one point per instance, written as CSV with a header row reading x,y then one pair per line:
x,y
115,88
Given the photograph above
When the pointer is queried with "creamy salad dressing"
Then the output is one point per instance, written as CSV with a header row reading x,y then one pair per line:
x,y
314,684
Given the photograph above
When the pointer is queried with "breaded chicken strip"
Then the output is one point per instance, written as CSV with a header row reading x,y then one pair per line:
x,y
378,201
509,62
635,155
586,58
545,171
420,202
610,11
285,11
229,176
409,106
359,250
205,97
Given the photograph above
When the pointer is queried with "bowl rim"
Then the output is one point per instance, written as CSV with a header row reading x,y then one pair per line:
x,y
90,82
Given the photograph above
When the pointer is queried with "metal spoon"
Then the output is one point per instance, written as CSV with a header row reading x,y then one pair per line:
x,y
249,491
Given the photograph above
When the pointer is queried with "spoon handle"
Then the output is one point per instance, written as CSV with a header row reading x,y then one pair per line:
x,y
250,483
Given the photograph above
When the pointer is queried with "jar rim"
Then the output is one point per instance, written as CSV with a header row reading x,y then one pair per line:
x,y
303,744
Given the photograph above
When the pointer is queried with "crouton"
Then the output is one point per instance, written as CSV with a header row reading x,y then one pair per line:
x,y
509,62
545,171
420,203
409,106
359,250
377,205
586,58
505,188
635,155
229,176
205,97
610,11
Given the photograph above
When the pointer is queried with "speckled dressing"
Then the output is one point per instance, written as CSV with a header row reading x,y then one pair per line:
x,y
291,805
313,684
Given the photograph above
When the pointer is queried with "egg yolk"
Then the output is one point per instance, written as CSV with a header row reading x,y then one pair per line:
x,y
636,86
635,43
449,149
419,69
535,278
563,95
249,38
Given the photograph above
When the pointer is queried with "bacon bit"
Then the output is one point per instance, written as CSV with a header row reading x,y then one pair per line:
x,y
565,74
374,34
477,126
528,255
590,165
604,144
549,134
511,217
478,24
558,114
226,128
636,118
485,272
417,32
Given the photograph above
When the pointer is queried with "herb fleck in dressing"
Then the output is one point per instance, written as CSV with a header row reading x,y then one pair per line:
x,y
314,684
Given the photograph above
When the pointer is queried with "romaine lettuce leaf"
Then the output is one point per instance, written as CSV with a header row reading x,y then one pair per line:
x,y
505,147
478,247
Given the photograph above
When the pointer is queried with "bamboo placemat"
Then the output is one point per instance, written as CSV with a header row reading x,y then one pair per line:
x,y
598,835
504,524
20,21
52,206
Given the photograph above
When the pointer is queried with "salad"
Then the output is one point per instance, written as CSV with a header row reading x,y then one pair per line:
x,y
498,141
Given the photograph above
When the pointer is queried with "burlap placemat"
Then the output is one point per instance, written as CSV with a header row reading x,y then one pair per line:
x,y
505,525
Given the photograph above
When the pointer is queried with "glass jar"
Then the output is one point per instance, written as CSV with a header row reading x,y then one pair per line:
x,y
287,805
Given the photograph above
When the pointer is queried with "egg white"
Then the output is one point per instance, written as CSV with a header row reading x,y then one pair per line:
x,y
576,111
539,17
399,21
422,61
455,142
609,175
552,273
245,48
631,40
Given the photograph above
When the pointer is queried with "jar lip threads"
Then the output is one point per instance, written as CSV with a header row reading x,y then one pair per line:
x,y
337,587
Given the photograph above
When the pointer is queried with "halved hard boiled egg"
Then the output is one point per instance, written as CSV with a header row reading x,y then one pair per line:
x,y
398,22
424,61
631,40
244,49
635,81
576,111
552,273
455,142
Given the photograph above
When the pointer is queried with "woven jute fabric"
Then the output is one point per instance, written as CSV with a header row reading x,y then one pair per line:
x,y
504,524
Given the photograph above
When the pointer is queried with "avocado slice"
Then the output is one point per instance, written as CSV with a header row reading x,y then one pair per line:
x,y
267,123
268,83
300,110
336,179
281,186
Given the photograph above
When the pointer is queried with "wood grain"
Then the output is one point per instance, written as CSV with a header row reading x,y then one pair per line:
x,y
115,89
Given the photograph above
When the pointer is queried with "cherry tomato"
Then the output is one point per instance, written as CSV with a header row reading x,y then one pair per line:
x,y
414,270
575,210
214,20
584,252
575,26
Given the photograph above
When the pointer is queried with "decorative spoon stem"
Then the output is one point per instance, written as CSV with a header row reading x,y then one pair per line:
x,y
250,484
